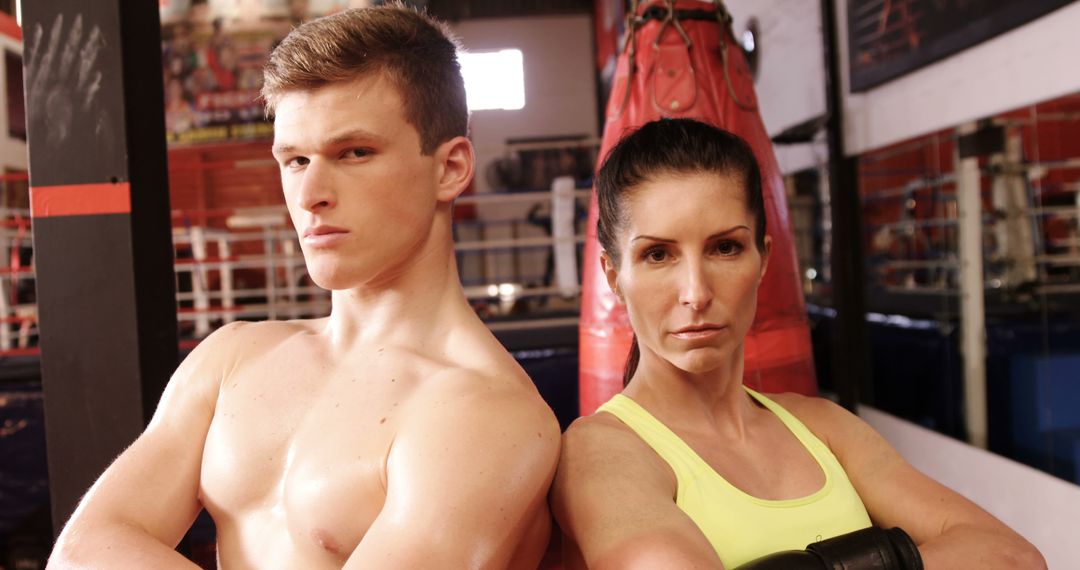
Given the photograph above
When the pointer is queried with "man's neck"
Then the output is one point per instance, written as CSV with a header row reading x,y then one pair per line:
x,y
418,300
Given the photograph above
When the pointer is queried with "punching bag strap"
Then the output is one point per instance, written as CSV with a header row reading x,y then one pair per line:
x,y
673,84
629,48
671,19
724,17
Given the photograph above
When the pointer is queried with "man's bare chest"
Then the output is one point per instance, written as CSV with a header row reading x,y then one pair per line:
x,y
307,447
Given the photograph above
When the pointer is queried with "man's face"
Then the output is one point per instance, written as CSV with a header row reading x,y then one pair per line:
x,y
361,195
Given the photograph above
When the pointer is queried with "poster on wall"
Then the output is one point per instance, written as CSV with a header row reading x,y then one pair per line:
x,y
889,38
213,52
250,10
173,10
212,80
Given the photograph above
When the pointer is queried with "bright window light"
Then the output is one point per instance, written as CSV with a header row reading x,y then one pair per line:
x,y
493,79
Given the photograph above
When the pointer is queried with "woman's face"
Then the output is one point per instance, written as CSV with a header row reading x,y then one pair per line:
x,y
688,268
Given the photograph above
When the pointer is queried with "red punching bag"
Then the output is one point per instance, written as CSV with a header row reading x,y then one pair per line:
x,y
680,60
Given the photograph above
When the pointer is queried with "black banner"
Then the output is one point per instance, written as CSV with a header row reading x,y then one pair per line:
x,y
889,38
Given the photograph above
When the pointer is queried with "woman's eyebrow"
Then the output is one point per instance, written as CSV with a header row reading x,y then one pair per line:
x,y
713,236
729,231
652,238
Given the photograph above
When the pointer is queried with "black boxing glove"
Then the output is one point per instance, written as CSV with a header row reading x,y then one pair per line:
x,y
787,560
867,549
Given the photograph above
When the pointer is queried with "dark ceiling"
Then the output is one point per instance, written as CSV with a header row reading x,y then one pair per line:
x,y
465,9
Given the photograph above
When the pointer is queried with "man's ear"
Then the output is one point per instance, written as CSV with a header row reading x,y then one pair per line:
x,y
611,273
455,164
765,256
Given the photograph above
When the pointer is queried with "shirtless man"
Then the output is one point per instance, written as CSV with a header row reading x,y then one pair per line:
x,y
397,432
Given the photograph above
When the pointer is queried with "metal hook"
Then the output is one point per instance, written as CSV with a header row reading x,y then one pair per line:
x,y
724,18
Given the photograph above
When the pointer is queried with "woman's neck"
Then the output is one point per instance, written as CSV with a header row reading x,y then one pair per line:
x,y
712,400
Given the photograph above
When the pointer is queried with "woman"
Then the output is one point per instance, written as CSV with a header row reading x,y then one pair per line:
x,y
687,468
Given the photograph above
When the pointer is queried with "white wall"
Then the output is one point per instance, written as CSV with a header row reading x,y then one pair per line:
x,y
560,84
560,99
791,79
1030,64
1043,509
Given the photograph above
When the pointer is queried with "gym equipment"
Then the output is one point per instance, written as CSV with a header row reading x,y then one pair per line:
x,y
680,60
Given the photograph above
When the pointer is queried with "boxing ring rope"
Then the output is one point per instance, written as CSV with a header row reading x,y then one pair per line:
x,y
218,249
212,260
1008,224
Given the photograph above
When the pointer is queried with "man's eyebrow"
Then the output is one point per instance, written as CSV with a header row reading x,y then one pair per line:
x,y
282,148
349,136
354,136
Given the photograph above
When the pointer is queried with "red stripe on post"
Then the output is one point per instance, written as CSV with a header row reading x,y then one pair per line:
x,y
10,27
80,200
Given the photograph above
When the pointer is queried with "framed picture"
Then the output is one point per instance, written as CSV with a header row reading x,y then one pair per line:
x,y
889,38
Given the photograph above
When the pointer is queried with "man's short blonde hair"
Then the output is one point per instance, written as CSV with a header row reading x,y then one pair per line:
x,y
415,52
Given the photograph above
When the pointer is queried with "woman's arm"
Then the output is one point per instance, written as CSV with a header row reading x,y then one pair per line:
x,y
614,500
951,531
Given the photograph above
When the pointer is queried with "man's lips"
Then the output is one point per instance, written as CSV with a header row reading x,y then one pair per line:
x,y
321,230
324,236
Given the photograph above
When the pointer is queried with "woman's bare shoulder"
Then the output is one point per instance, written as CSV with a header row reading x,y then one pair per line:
x,y
600,434
828,420
601,449
614,497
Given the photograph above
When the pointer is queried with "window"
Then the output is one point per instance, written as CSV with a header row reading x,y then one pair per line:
x,y
494,79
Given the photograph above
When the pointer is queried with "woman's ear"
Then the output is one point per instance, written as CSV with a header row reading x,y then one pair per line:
x,y
765,256
455,166
611,273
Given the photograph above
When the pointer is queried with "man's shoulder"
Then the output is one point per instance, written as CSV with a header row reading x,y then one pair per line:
x,y
219,353
261,330
500,403
503,390
475,369
242,337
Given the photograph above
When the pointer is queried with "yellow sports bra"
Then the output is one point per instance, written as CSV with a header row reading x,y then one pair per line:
x,y
742,527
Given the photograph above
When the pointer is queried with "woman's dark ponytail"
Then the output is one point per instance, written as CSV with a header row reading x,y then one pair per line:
x,y
631,362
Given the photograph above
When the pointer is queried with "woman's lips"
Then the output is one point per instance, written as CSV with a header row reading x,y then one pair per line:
x,y
697,331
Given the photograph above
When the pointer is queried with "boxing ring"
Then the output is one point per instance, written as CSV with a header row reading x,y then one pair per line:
x,y
246,263
1017,248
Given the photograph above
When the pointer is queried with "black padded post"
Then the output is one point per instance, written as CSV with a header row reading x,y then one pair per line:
x,y
102,238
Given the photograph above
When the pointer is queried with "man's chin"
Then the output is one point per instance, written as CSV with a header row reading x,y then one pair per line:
x,y
342,278
331,280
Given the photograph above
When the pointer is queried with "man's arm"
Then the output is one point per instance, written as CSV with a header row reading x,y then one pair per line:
x,y
951,531
140,508
467,478
614,499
